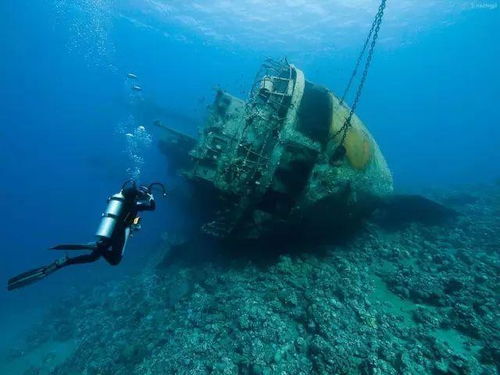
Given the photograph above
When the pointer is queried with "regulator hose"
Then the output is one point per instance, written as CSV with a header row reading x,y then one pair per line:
x,y
159,184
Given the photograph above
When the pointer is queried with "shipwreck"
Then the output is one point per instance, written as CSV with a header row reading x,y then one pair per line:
x,y
283,161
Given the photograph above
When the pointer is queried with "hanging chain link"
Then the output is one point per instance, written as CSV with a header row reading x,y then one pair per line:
x,y
358,62
372,35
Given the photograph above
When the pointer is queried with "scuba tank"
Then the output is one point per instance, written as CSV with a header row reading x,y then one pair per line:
x,y
115,207
111,215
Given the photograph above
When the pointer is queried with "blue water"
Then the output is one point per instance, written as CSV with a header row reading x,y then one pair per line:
x,y
431,101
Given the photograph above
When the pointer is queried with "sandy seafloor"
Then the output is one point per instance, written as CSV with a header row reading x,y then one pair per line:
x,y
416,299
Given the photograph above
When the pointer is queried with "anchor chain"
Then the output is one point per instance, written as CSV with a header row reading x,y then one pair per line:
x,y
372,35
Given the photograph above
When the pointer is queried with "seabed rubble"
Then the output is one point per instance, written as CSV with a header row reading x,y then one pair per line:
x,y
422,299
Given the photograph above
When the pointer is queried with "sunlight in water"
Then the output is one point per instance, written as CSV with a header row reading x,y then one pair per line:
x,y
298,24
290,25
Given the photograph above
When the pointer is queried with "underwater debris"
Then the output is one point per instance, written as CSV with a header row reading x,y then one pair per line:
x,y
395,211
267,165
460,199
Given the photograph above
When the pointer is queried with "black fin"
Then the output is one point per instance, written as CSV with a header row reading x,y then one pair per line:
x,y
27,278
89,246
399,210
36,274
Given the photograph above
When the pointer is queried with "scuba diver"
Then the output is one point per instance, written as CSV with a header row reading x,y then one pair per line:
x,y
118,222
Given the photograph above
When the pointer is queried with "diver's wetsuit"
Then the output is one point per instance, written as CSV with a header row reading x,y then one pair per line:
x,y
118,222
112,248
